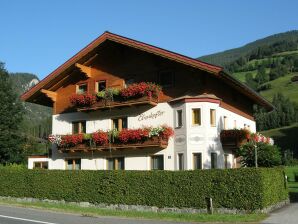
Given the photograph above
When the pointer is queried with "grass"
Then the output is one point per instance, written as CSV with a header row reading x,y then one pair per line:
x,y
285,137
179,217
293,186
285,53
284,85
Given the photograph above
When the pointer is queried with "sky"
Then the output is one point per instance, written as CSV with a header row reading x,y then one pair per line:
x,y
37,36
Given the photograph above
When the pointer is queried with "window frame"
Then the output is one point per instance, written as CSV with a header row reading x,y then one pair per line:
x,y
225,122
213,163
80,84
80,128
41,165
180,158
152,162
120,122
73,163
115,161
97,82
192,117
194,155
177,118
212,119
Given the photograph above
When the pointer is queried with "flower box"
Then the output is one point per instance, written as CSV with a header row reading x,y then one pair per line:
x,y
120,102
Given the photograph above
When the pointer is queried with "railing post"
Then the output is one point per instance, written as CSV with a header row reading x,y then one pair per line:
x,y
209,205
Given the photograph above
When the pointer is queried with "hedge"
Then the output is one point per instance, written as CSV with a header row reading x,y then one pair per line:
x,y
245,188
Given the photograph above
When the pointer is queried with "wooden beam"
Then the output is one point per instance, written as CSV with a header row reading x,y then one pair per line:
x,y
50,94
86,70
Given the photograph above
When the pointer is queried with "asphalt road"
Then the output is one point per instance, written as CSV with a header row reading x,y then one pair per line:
x,y
16,215
285,215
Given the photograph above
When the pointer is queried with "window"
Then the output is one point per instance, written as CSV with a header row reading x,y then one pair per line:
x,y
213,160
196,116
100,85
115,163
119,123
213,117
225,122
166,79
180,161
235,124
128,82
79,127
73,164
226,160
179,118
40,165
197,161
157,162
82,88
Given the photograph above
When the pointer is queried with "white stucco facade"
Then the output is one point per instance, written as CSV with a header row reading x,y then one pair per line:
x,y
188,140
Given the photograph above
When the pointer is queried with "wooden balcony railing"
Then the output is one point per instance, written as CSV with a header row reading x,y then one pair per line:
x,y
154,142
117,103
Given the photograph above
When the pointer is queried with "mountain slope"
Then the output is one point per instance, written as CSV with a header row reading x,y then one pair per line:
x,y
37,119
225,57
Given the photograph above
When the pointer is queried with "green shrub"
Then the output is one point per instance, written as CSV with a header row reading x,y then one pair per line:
x,y
246,188
268,155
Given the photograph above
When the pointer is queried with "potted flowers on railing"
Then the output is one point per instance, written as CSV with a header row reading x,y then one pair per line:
x,y
82,100
136,91
114,138
240,136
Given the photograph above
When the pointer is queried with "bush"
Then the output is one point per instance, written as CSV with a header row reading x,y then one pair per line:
x,y
268,155
296,177
247,189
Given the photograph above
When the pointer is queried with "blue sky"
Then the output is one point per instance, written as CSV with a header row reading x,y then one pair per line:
x,y
39,35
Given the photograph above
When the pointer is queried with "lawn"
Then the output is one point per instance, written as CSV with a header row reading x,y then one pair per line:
x,y
283,85
178,217
293,186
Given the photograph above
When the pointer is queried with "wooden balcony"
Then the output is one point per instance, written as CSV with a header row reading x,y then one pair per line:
x,y
232,143
119,103
154,142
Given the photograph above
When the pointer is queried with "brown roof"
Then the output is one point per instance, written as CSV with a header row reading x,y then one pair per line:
x,y
201,96
213,69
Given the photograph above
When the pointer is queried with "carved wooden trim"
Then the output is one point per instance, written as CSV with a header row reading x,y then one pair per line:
x,y
50,94
85,69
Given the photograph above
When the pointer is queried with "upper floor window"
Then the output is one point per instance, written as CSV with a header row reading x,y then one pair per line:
x,y
196,116
119,123
225,123
179,119
73,164
115,163
100,85
128,82
213,117
166,78
78,127
82,88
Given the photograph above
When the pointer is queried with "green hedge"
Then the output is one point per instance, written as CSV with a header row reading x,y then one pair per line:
x,y
246,188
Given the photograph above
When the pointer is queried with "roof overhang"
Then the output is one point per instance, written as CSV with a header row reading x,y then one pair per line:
x,y
87,53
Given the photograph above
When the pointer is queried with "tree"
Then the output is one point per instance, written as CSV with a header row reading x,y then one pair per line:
x,y
11,111
268,155
249,80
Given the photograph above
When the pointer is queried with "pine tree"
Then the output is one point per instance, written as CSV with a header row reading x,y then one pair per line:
x,y
10,118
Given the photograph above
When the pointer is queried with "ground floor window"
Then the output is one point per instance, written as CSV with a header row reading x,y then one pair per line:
x,y
180,161
213,160
226,158
157,162
40,165
197,161
73,164
115,163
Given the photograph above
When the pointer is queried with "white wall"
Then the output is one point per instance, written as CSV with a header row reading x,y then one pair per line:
x,y
188,139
